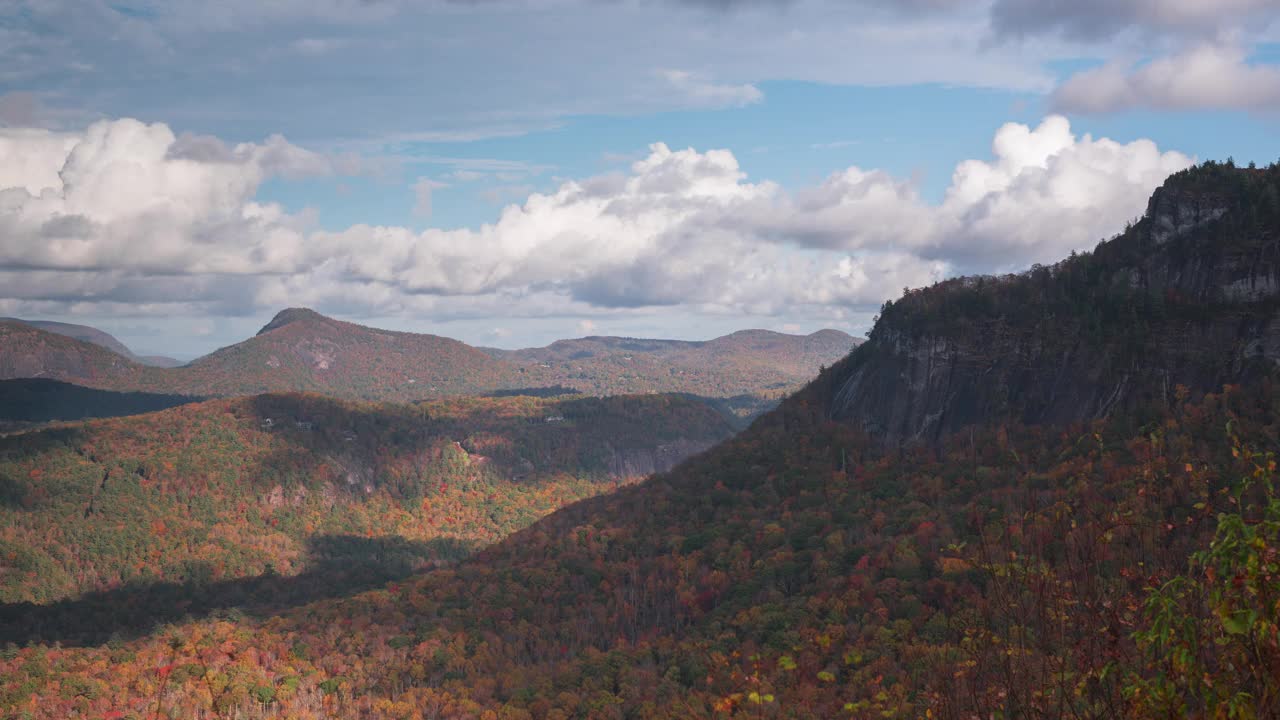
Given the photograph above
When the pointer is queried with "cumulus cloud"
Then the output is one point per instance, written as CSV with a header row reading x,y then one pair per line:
x,y
126,213
124,195
1045,193
1206,76
1193,52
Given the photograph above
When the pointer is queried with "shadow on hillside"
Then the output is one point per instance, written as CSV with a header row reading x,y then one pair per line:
x,y
340,566
45,400
549,391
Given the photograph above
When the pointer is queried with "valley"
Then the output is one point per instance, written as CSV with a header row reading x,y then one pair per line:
x,y
232,489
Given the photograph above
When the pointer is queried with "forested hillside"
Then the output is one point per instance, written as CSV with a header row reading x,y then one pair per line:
x,y
759,363
29,352
231,489
798,571
97,337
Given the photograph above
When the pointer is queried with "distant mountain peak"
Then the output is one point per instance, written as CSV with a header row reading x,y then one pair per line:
x,y
289,316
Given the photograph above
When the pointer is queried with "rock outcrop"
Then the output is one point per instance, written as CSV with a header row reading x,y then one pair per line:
x,y
642,462
1188,296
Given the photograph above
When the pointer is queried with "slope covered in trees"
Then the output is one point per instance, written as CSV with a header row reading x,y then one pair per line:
x,y
230,489
29,352
751,362
97,337
797,571
1111,566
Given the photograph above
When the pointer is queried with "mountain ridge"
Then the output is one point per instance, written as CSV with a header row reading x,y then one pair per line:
x,y
1189,297
98,337
302,350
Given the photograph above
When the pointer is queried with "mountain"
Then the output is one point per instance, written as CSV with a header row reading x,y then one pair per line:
x,y
27,351
1189,296
224,490
743,363
97,337
300,350
1050,558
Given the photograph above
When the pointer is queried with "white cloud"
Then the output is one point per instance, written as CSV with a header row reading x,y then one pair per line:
x,y
1205,76
1045,193
30,159
1159,54
128,215
128,196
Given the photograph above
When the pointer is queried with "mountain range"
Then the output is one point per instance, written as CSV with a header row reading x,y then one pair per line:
x,y
1049,495
303,351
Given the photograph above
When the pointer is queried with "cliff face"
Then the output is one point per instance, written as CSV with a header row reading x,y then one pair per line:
x,y
1190,295
639,463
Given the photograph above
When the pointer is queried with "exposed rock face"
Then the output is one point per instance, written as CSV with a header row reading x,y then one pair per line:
x,y
1172,213
638,463
1188,296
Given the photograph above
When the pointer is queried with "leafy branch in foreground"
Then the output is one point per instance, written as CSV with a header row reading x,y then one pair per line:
x,y
1212,636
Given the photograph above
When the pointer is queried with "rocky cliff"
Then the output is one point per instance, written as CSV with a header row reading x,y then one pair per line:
x,y
638,463
1187,296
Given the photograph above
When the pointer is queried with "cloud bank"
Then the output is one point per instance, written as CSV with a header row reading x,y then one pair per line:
x,y
126,216
1203,77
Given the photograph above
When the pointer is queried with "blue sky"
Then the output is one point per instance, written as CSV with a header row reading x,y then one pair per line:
x,y
798,134
513,171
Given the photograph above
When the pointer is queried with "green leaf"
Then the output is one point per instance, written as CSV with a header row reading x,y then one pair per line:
x,y
1236,624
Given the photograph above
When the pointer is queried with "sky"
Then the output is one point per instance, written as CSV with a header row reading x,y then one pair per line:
x,y
511,172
